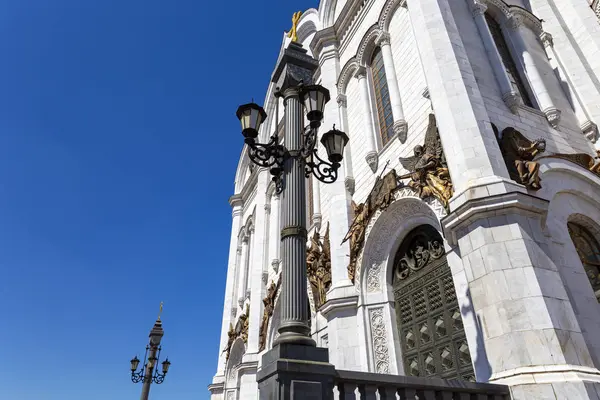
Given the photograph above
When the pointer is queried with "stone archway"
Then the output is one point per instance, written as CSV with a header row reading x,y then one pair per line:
x,y
429,322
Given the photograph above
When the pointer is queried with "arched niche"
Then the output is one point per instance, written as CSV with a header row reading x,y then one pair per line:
x,y
238,349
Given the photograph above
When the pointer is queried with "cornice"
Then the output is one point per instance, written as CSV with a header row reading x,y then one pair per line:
x,y
323,38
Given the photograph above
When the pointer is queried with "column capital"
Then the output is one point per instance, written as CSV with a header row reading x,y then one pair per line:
x,y
401,130
361,73
546,39
383,39
478,8
512,101
342,100
514,22
239,249
267,208
553,116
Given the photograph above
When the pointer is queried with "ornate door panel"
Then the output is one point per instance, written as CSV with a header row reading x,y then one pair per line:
x,y
429,321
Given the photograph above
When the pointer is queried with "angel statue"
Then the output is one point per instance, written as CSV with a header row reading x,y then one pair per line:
x,y
519,153
322,280
428,171
356,234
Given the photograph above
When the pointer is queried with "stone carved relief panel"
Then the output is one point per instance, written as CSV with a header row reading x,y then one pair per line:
x,y
381,356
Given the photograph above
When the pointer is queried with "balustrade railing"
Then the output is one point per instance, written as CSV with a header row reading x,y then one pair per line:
x,y
351,385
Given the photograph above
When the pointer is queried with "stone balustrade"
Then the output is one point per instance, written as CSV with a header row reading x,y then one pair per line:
x,y
369,386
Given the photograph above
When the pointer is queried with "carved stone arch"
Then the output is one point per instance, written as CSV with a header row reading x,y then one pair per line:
x,y
346,74
367,46
308,24
238,349
498,9
388,11
528,19
327,13
384,233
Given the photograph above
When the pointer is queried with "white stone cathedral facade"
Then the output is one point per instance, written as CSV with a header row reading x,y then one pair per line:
x,y
501,283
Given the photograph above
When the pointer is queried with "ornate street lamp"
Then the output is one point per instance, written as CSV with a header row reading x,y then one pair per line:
x,y
290,165
147,374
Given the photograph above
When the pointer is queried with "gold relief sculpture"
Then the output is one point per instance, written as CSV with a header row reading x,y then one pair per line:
x,y
318,267
519,154
380,198
269,308
586,161
293,33
428,171
240,330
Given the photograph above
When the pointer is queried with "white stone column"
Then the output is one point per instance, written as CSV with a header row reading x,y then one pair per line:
x,y
589,128
256,288
343,124
275,233
242,270
516,31
316,199
372,156
400,124
230,300
509,95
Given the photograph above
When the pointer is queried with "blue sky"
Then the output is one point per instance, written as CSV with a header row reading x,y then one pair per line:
x,y
118,148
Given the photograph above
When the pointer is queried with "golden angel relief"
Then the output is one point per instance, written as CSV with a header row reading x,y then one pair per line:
x,y
428,177
318,267
520,157
269,308
239,331
428,171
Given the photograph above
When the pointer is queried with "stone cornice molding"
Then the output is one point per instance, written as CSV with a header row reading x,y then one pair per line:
x,y
528,19
502,204
512,16
236,201
345,75
337,304
323,38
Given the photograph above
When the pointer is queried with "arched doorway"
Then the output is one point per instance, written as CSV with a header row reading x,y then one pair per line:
x,y
427,312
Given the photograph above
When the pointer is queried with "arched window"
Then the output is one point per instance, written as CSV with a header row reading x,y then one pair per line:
x,y
382,98
507,60
588,250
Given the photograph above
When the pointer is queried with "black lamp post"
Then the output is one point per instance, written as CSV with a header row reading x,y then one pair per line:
x,y
147,373
290,164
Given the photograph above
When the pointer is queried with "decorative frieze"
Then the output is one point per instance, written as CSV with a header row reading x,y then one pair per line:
x,y
379,341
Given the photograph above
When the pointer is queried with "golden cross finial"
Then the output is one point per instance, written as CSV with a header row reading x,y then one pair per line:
x,y
293,32
160,310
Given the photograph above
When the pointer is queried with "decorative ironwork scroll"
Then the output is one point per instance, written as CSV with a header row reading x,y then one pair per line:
x,y
269,307
239,331
318,267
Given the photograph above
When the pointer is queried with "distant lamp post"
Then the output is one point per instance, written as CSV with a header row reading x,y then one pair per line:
x,y
147,374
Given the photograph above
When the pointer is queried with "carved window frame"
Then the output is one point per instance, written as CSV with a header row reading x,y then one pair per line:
x,y
514,75
381,92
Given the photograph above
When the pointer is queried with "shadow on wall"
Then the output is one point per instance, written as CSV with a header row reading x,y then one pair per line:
x,y
565,88
481,365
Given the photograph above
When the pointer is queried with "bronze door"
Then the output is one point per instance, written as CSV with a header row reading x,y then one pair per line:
x,y
429,322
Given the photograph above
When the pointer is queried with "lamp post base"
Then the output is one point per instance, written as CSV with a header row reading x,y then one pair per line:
x,y
294,372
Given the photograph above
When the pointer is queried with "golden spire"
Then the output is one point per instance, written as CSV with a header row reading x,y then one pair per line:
x,y
160,310
293,32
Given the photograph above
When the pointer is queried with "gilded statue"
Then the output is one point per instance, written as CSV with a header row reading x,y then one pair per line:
x,y
428,171
269,308
588,162
293,33
240,330
519,155
318,265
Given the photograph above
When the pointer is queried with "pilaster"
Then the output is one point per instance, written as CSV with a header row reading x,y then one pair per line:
x,y
528,326
372,157
474,159
255,270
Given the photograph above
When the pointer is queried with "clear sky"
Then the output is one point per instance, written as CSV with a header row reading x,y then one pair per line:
x,y
118,148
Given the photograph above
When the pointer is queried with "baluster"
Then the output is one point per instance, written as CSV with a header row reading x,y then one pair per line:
x,y
347,391
463,396
443,395
407,394
336,391
387,393
426,394
367,392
